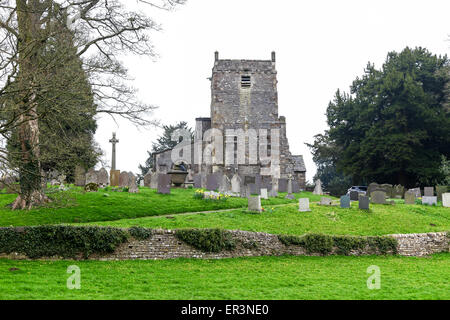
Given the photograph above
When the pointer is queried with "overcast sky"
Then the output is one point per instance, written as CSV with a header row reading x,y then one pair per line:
x,y
321,46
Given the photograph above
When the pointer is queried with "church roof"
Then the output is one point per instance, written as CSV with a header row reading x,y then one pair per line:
x,y
299,164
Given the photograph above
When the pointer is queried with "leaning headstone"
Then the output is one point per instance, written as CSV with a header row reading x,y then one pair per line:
x,y
428,192
326,201
103,177
364,203
303,205
430,201
345,202
354,195
410,197
254,204
164,182
378,197
213,182
225,184
318,188
446,200
264,194
124,179
236,184
80,176
154,181
91,177
114,178
282,185
440,190
197,181
148,179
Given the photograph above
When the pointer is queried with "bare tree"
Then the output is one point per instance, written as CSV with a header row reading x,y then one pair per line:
x,y
102,30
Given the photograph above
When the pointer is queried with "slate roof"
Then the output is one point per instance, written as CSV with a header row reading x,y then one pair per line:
x,y
299,164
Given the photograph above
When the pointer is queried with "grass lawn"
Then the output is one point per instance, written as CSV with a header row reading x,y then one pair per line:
x,y
381,220
263,278
109,206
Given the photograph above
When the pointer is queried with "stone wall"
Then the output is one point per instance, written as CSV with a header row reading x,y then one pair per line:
x,y
164,245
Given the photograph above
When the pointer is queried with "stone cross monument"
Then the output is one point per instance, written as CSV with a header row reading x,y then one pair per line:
x,y
114,141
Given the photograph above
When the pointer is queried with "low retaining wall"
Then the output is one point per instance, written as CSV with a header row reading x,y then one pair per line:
x,y
163,244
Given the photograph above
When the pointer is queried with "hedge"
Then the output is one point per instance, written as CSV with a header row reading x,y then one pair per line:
x,y
207,240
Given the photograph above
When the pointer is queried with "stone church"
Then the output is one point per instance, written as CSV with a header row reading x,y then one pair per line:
x,y
244,96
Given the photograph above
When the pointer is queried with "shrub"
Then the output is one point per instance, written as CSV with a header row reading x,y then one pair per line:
x,y
64,241
140,233
207,240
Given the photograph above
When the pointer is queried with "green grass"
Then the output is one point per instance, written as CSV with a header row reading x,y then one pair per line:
x,y
381,220
244,278
87,207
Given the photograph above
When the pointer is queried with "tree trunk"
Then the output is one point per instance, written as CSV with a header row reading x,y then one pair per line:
x,y
31,192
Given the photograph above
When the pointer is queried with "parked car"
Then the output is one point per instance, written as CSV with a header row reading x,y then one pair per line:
x,y
362,190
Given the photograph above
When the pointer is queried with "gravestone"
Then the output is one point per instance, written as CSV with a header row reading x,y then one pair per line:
x,y
282,185
303,205
141,183
103,177
417,192
410,197
378,197
440,190
389,189
213,181
133,188
225,185
372,187
236,184
154,181
114,178
429,201
255,187
124,179
326,201
354,195
295,187
428,192
364,203
446,200
290,196
197,181
254,204
264,194
164,183
318,188
80,176
148,179
345,202
274,189
91,177
399,191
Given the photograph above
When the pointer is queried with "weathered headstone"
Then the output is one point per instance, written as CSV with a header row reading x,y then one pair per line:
x,y
372,187
148,179
430,201
154,181
80,176
428,192
264,194
345,202
354,195
399,191
282,185
164,183
303,205
236,184
124,179
318,188
213,182
417,192
103,177
389,189
197,181
326,201
290,196
378,197
114,178
255,185
274,189
364,202
225,184
446,200
91,177
410,197
295,186
440,190
133,188
254,204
